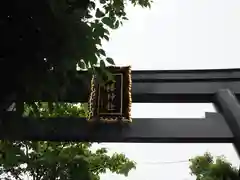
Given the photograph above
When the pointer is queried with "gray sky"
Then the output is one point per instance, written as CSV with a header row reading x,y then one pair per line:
x,y
173,34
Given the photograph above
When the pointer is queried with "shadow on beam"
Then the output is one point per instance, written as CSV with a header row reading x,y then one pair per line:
x,y
212,129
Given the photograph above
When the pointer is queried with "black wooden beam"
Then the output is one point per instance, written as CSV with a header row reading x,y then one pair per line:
x,y
198,92
229,106
210,129
173,86
186,75
197,86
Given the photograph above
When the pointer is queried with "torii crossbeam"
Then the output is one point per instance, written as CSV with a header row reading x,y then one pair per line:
x,y
221,87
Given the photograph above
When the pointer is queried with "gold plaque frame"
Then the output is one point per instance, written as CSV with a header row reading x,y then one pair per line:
x,y
121,92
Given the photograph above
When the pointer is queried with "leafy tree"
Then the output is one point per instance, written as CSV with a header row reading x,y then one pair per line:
x,y
205,168
43,41
58,160
42,44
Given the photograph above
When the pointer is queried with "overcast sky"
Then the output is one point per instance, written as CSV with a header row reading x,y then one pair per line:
x,y
175,34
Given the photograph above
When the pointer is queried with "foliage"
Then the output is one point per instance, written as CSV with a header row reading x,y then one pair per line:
x,y
43,41
205,168
58,160
44,109
42,44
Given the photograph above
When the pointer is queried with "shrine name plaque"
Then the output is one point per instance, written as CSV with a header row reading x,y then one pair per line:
x,y
111,102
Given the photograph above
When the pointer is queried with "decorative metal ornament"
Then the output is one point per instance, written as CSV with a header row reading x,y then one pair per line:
x,y
112,101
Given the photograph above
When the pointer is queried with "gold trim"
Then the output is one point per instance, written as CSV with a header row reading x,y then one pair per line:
x,y
91,99
129,95
110,119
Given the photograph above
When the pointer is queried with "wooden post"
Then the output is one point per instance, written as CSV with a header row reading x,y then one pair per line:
x,y
229,106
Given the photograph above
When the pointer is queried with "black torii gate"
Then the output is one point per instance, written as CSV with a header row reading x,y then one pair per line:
x,y
221,87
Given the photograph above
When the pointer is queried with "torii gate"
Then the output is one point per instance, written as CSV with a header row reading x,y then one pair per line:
x,y
221,87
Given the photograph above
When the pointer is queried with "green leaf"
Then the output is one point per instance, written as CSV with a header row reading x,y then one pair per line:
x,y
107,21
110,61
98,30
101,151
35,109
102,1
88,16
82,65
106,31
116,25
125,18
92,5
99,13
85,108
106,37
50,107
102,52
93,59
102,64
